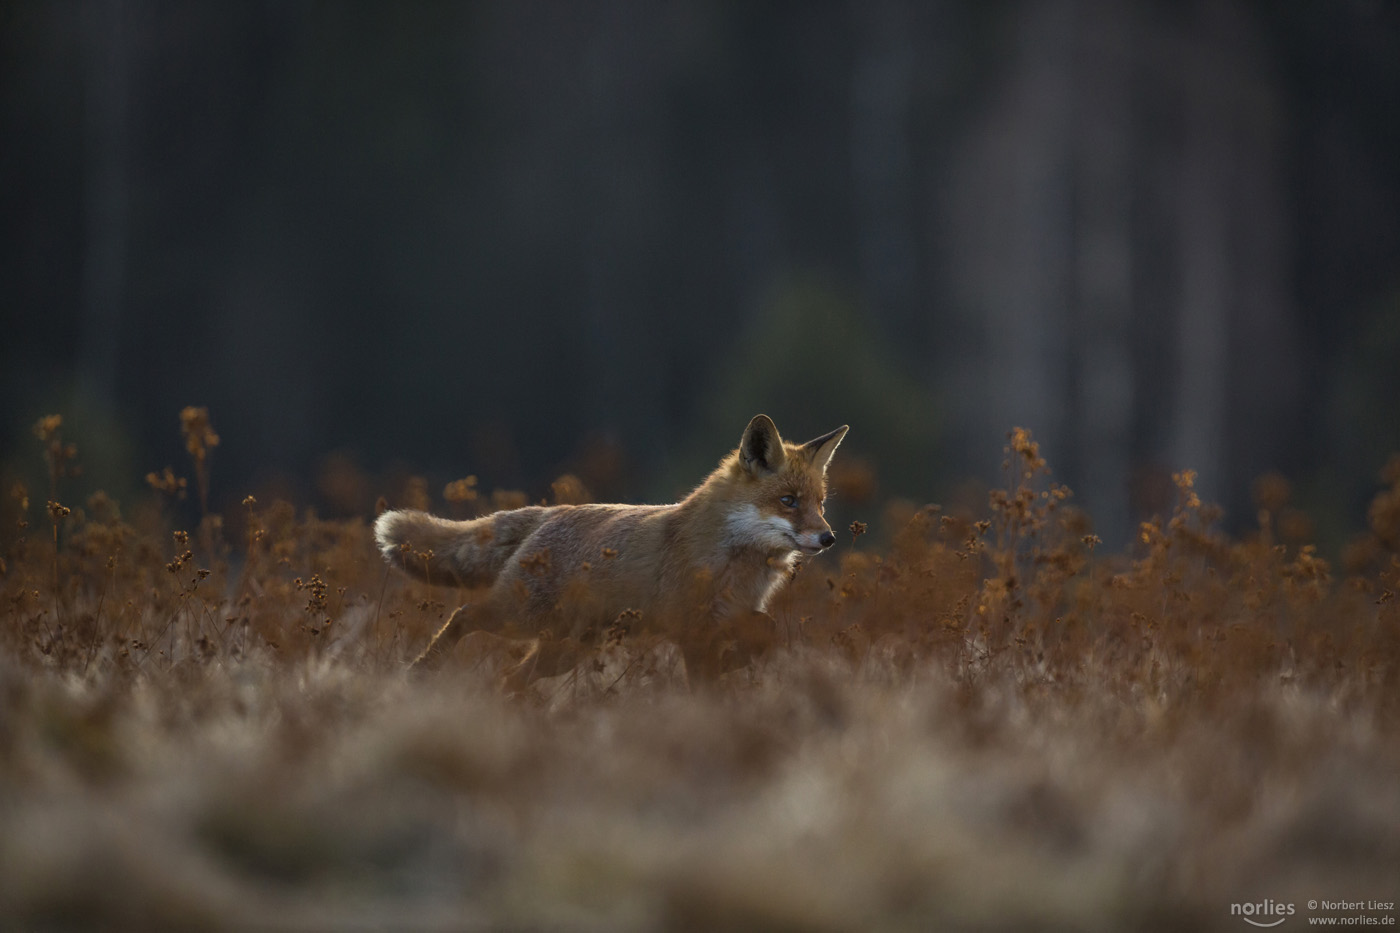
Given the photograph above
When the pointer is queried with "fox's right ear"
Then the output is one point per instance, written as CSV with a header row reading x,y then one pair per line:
x,y
821,448
761,449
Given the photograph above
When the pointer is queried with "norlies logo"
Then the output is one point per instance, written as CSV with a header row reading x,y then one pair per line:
x,y
1263,910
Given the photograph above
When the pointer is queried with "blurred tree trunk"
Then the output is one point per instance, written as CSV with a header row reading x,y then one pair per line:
x,y
881,160
1236,344
105,198
1102,364
1264,426
1202,318
623,348
1010,218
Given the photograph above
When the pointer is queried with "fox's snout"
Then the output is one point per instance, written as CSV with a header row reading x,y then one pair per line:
x,y
814,540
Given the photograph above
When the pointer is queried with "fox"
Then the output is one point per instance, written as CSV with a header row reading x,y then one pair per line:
x,y
712,561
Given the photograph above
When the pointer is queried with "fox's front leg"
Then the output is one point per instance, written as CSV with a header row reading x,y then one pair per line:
x,y
465,619
748,636
727,643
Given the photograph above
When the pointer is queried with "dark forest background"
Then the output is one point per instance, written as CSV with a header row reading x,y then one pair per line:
x,y
514,238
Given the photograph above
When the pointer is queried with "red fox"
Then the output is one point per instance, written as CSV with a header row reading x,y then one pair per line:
x,y
712,560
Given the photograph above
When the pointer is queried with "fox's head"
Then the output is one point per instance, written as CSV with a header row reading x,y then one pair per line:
x,y
782,489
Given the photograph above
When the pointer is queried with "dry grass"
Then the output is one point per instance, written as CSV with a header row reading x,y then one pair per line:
x,y
983,725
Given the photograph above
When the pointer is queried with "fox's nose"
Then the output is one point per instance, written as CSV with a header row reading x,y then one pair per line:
x,y
827,539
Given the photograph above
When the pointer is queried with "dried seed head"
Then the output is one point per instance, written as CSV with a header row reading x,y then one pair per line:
x,y
1390,473
1272,492
168,483
199,433
460,490
47,427
569,490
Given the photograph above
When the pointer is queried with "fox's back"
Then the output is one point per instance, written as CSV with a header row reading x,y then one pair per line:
x,y
598,558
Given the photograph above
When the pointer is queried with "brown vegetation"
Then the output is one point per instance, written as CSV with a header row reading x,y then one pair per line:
x,y
986,723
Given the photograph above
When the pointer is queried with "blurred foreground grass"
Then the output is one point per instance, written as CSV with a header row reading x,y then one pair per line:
x,y
981,724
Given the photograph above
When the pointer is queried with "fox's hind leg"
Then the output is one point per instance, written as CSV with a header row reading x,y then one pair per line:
x,y
545,656
466,619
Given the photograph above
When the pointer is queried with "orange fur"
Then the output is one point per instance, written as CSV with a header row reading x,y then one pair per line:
x,y
717,555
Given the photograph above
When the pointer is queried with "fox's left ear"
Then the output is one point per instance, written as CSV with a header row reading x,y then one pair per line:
x,y
761,447
820,449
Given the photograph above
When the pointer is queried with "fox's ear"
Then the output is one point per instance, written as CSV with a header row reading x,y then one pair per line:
x,y
820,449
761,449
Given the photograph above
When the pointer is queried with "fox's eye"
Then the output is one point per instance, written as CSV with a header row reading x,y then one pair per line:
x,y
788,501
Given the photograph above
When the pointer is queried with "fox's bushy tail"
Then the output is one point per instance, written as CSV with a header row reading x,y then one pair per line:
x,y
438,550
